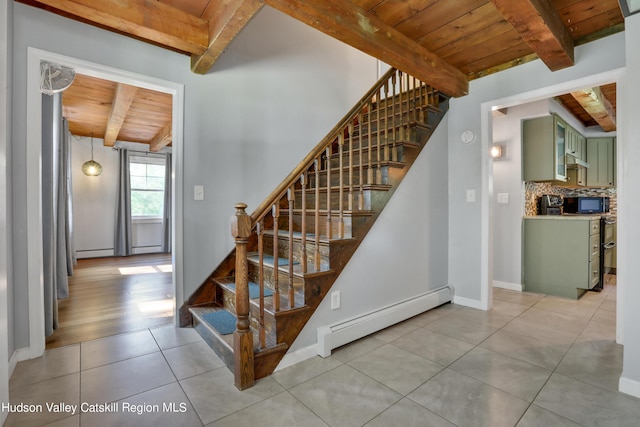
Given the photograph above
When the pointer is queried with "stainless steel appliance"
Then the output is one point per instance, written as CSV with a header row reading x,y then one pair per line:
x,y
550,204
607,244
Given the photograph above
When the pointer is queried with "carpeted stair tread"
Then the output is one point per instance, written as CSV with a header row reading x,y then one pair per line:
x,y
221,320
254,290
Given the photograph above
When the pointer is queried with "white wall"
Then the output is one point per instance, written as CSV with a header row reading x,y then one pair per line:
x,y
405,252
6,324
628,145
470,166
271,97
94,198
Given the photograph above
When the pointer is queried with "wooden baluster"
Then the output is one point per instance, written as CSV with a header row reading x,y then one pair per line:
x,y
422,103
275,212
386,141
350,204
303,185
378,179
369,144
341,185
415,101
328,172
242,337
291,197
262,331
317,214
401,132
361,162
394,149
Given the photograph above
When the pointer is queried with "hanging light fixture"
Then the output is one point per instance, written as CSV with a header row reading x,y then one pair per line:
x,y
91,167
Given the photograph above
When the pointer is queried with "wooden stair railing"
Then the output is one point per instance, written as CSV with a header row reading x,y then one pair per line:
x,y
295,244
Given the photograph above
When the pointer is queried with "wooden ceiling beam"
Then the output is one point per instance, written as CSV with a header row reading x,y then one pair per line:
x,y
345,21
162,138
597,106
226,19
121,102
541,27
151,21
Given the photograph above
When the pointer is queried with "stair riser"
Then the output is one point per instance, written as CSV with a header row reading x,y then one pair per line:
x,y
269,279
366,196
310,224
376,174
218,346
283,249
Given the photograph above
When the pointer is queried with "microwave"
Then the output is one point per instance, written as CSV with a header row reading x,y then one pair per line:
x,y
585,205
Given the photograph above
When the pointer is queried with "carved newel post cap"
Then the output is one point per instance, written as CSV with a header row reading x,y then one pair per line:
x,y
240,222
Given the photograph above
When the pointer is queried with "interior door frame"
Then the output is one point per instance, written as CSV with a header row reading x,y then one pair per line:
x,y
37,341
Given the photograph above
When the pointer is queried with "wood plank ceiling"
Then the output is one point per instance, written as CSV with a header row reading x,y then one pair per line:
x,y
444,42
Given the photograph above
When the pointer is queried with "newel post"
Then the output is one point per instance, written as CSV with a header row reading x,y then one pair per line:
x,y
242,336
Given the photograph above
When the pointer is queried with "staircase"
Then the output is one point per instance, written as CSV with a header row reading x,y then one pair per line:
x,y
290,251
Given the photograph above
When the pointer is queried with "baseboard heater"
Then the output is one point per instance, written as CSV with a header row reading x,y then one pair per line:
x,y
341,333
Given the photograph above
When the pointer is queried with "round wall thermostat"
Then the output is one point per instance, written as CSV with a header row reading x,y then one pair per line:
x,y
468,136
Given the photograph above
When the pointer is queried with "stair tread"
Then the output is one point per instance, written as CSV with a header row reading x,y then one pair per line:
x,y
311,238
297,266
268,300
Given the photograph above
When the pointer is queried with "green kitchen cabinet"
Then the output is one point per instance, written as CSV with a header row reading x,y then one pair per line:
x,y
601,156
544,149
561,255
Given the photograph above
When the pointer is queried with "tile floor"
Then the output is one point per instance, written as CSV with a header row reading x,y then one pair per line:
x,y
533,360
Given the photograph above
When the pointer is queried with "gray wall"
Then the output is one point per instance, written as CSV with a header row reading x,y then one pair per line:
x,y
628,148
6,309
405,253
270,99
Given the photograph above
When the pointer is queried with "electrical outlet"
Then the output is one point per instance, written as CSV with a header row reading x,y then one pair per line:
x,y
335,300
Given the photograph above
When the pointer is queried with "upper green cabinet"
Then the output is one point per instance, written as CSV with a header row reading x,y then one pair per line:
x,y
601,155
544,145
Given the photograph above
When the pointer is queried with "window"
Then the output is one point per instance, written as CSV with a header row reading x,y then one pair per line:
x,y
147,186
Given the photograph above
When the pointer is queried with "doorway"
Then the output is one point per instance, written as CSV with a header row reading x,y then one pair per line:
x,y
34,156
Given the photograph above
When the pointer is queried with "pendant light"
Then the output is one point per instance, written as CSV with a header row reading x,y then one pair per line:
x,y
91,167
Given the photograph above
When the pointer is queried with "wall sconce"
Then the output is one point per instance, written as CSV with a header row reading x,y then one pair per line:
x,y
91,167
496,151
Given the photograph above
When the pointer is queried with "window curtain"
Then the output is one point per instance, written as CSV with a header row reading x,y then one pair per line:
x,y
166,221
123,239
58,253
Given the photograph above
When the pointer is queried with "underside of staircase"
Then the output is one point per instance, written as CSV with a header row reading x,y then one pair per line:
x,y
291,250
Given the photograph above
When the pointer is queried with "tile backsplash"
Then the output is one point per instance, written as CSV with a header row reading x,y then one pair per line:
x,y
533,190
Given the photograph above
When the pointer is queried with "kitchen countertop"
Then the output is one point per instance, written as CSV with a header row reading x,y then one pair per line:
x,y
580,217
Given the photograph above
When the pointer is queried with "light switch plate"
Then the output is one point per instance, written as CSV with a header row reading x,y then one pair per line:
x,y
335,300
198,192
471,196
503,198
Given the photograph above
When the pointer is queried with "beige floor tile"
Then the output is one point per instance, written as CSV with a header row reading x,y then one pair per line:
x,y
126,378
163,406
192,359
515,377
357,348
303,371
116,348
345,397
54,391
407,413
436,347
588,405
280,410
604,316
395,368
170,336
538,417
73,421
515,297
577,308
54,363
526,349
214,395
468,402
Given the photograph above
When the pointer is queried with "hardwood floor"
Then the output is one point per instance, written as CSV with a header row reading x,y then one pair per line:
x,y
110,296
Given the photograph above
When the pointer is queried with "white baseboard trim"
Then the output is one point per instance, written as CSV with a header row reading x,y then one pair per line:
x,y
94,253
630,387
467,302
507,285
18,356
146,250
297,356
341,333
